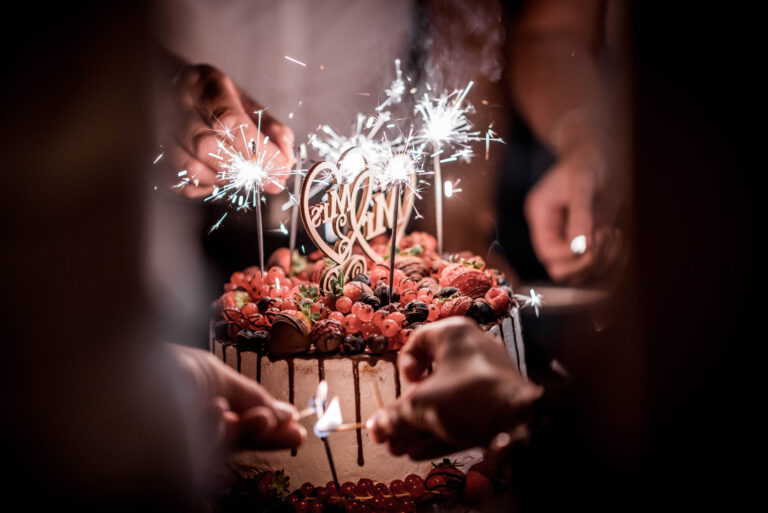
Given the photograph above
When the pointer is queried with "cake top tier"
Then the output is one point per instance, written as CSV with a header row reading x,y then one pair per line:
x,y
284,311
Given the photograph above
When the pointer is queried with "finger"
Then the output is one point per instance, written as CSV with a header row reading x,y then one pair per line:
x,y
428,344
581,218
546,220
193,178
260,429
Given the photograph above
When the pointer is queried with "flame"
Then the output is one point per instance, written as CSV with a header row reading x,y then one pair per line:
x,y
330,420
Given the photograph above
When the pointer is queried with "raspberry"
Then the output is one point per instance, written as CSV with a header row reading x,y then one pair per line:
x,y
352,324
389,328
363,311
344,304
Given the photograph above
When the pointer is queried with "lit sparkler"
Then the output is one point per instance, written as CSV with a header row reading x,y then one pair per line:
x,y
446,127
331,146
245,175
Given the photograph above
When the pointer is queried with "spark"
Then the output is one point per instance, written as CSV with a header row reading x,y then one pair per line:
x,y
451,188
217,224
535,300
283,229
396,90
244,173
158,158
294,60
331,145
445,124
398,165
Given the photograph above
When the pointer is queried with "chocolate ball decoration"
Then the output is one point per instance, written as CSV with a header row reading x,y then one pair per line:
x,y
416,311
352,344
327,335
480,310
289,333
377,343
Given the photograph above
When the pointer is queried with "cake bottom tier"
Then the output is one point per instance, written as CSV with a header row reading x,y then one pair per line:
x,y
351,378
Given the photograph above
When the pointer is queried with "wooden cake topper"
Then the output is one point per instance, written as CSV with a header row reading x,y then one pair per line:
x,y
356,211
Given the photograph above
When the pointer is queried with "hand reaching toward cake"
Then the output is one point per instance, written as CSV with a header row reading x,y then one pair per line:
x,y
237,410
208,108
473,393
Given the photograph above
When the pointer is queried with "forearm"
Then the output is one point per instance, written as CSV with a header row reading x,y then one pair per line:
x,y
555,81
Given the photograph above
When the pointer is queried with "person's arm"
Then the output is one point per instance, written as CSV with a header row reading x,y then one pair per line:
x,y
557,88
474,393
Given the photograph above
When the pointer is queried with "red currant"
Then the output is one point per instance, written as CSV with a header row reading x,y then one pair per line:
x,y
348,489
389,328
407,504
322,494
301,507
289,304
307,489
363,311
353,290
407,296
319,308
382,489
434,312
333,491
336,316
369,328
344,304
404,335
398,317
366,484
316,507
397,487
249,309
378,317
352,324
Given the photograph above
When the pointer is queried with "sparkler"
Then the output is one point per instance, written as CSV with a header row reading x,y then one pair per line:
x,y
397,170
245,176
301,156
396,90
446,127
330,145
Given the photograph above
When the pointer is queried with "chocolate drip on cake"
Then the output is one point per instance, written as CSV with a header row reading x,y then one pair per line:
x,y
321,368
239,358
358,431
397,378
258,367
290,390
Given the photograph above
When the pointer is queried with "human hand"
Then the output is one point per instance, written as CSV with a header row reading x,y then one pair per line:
x,y
238,411
575,198
205,108
474,392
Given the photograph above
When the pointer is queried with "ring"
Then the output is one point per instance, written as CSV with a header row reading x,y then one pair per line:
x,y
579,245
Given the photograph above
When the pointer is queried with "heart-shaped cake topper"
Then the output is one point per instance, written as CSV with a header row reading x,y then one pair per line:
x,y
355,210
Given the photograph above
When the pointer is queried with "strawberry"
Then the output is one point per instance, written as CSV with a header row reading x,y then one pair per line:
x,y
271,484
445,479
477,487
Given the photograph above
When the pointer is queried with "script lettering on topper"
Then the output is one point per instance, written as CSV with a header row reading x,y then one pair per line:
x,y
356,213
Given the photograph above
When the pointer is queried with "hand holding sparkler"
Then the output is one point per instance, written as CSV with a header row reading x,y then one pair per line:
x,y
208,110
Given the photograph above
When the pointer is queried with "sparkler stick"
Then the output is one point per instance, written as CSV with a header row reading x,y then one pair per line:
x,y
260,230
399,193
330,462
301,155
438,181
306,412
